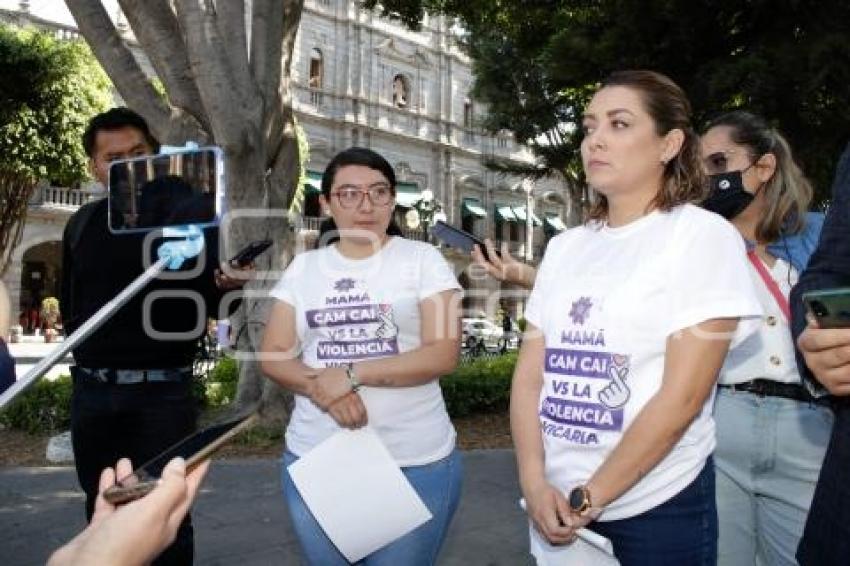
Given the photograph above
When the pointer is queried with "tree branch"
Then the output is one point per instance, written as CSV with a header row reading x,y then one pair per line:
x,y
276,83
228,93
155,26
167,124
231,27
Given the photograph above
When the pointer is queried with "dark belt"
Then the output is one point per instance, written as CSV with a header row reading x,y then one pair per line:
x,y
769,388
131,376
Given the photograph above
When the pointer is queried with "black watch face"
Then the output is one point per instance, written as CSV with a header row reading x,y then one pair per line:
x,y
576,498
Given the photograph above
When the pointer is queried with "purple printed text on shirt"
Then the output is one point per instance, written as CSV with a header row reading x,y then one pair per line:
x,y
588,415
582,363
376,348
338,316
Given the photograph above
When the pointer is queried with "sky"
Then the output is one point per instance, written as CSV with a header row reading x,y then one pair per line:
x,y
55,10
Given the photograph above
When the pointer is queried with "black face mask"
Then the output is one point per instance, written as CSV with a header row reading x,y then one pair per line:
x,y
727,196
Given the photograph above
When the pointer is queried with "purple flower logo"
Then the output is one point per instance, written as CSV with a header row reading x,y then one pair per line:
x,y
344,285
581,310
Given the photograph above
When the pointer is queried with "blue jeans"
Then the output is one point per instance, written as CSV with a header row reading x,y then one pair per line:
x,y
768,456
682,531
437,483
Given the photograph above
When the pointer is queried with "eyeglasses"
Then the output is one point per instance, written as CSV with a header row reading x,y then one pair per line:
x,y
351,196
718,162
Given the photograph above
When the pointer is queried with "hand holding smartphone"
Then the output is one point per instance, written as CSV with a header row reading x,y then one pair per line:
x,y
830,307
458,238
193,449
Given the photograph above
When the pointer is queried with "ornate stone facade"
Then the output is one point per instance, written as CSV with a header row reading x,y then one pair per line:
x,y
362,80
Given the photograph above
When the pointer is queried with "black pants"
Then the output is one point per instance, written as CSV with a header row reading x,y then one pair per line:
x,y
826,538
135,421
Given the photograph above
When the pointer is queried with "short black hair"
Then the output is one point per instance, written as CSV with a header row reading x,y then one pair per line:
x,y
116,119
357,156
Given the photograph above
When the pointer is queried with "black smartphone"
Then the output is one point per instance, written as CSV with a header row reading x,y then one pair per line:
x,y
458,238
247,254
194,449
831,307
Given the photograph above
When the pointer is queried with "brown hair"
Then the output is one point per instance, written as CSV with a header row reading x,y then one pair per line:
x,y
667,105
788,191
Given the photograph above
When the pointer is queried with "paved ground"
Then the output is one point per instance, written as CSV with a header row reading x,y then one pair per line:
x,y
240,518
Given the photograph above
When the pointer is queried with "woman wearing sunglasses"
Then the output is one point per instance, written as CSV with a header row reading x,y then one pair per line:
x,y
771,436
362,329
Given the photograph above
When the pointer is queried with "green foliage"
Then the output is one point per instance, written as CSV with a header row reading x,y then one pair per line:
x,y
45,407
535,63
480,386
303,157
50,89
221,383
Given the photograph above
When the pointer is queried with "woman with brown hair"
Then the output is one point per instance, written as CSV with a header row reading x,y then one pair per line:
x,y
631,316
771,436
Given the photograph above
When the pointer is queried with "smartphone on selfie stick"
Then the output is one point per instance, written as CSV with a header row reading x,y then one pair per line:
x,y
458,238
193,449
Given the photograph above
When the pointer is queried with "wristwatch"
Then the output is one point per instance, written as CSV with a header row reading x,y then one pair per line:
x,y
581,504
352,377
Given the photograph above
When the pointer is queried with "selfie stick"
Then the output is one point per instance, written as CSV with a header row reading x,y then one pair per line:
x,y
171,255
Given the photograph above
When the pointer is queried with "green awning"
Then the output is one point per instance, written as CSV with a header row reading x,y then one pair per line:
x,y
472,207
555,223
505,213
519,212
406,194
313,183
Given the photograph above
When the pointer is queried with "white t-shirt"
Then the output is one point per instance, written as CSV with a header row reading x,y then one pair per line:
x,y
606,300
768,353
351,310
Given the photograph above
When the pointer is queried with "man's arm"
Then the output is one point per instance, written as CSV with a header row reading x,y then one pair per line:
x,y
829,265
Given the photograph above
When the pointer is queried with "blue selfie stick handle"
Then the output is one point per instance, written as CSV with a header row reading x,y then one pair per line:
x,y
176,252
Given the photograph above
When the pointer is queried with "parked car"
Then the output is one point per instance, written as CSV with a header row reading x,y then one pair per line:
x,y
479,332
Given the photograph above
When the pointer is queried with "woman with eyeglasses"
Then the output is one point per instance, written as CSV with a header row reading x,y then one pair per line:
x,y
362,329
771,435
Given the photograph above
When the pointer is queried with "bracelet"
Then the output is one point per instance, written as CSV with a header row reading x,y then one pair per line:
x,y
352,377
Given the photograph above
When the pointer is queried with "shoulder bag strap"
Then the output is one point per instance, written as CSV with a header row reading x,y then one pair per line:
x,y
770,284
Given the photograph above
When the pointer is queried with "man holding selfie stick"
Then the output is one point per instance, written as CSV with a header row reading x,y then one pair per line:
x,y
825,365
132,388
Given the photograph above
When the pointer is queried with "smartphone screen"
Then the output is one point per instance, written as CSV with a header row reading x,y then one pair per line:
x,y
194,449
250,252
458,238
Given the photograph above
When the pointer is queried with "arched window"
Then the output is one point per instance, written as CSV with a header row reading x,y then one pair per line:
x,y
401,91
316,69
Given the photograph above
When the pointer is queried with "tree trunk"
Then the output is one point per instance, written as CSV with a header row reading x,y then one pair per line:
x,y
226,89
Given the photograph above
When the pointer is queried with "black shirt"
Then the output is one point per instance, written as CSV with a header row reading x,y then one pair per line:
x,y
102,264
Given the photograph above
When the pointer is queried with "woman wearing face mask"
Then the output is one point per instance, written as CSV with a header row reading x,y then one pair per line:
x,y
630,318
771,436
362,329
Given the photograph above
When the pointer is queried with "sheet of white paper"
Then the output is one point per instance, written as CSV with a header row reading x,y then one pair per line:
x,y
588,548
357,493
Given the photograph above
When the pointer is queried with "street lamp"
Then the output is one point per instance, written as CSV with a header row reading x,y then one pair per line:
x,y
429,209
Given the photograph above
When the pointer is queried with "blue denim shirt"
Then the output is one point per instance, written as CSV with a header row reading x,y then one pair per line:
x,y
796,249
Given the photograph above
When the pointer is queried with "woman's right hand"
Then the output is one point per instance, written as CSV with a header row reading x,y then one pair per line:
x,y
549,510
349,411
504,268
